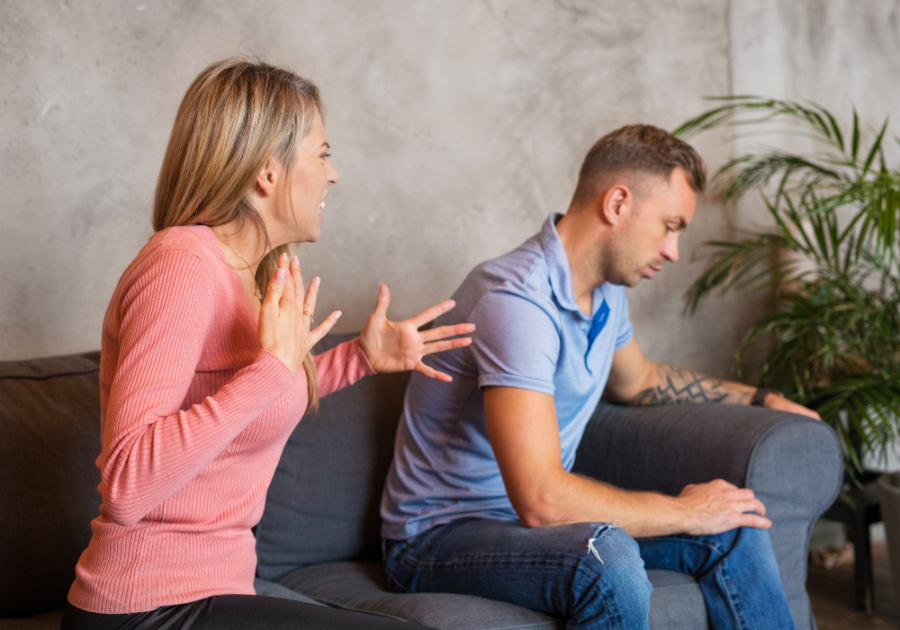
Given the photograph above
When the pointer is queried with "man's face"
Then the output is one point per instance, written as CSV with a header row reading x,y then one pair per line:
x,y
648,236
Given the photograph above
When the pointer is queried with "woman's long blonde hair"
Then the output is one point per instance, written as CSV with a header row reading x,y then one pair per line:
x,y
235,116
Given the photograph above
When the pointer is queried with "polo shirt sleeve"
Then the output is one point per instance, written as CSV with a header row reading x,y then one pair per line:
x,y
625,331
515,344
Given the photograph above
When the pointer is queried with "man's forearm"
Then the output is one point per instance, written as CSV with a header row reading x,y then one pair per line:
x,y
524,435
580,499
678,385
706,508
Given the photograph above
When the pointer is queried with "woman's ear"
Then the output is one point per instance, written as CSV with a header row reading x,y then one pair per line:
x,y
267,180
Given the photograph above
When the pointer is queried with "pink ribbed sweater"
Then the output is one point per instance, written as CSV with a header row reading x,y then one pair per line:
x,y
194,417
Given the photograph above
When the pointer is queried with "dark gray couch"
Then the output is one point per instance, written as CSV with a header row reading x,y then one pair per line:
x,y
319,533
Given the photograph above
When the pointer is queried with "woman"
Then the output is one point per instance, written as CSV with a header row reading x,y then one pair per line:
x,y
206,365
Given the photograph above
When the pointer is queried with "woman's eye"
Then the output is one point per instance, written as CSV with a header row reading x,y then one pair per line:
x,y
326,155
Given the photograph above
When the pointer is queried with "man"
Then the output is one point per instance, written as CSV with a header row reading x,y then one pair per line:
x,y
480,498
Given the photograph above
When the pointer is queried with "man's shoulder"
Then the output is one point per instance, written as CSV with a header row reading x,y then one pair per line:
x,y
522,272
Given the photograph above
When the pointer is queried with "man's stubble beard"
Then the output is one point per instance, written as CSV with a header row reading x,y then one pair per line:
x,y
614,266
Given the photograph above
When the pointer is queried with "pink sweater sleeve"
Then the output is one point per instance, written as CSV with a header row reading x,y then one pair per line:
x,y
151,448
341,366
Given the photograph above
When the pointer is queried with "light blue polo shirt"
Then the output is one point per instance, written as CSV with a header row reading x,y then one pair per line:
x,y
531,335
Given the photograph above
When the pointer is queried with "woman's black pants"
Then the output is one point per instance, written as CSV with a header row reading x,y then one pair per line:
x,y
241,612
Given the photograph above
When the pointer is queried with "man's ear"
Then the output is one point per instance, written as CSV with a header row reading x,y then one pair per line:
x,y
267,179
616,204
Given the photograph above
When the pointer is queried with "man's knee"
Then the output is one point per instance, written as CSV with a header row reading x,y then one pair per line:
x,y
755,546
614,553
611,579
750,540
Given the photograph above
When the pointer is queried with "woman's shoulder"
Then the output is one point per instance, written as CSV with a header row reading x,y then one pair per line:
x,y
189,252
174,283
196,239
181,243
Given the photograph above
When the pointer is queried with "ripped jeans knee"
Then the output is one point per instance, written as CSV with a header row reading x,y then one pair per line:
x,y
610,587
591,573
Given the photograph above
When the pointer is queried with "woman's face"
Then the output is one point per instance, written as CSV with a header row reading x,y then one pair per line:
x,y
309,181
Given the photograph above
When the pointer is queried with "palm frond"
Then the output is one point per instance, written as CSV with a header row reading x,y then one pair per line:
x,y
832,258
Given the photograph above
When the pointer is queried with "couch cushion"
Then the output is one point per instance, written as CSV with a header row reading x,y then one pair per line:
x,y
322,505
359,586
49,439
676,602
264,588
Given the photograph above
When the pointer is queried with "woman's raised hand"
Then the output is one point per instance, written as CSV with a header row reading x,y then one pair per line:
x,y
284,329
398,346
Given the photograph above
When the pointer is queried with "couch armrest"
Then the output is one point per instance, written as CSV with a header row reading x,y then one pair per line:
x,y
792,463
666,447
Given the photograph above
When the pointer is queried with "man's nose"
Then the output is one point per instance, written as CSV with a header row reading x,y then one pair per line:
x,y
670,249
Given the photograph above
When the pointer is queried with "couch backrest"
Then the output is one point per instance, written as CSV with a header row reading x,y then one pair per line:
x,y
49,439
323,503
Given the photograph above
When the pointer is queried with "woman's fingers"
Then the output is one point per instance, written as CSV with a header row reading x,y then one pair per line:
x,y
289,298
305,303
441,346
383,301
447,331
277,286
274,290
441,334
298,281
432,313
432,373
322,329
312,294
278,334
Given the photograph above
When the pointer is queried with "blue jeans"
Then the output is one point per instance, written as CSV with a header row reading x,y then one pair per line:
x,y
593,574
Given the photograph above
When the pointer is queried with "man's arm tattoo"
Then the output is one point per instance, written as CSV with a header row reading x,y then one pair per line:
x,y
677,385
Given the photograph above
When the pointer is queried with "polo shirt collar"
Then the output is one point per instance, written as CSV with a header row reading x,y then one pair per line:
x,y
561,273
558,265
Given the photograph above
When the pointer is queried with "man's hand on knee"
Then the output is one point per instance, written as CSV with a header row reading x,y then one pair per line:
x,y
718,506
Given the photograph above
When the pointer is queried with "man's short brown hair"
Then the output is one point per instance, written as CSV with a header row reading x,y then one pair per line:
x,y
636,149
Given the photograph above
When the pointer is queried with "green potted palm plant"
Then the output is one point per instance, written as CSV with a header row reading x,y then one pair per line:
x,y
830,255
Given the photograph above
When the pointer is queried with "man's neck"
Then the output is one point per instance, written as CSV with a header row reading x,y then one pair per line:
x,y
578,232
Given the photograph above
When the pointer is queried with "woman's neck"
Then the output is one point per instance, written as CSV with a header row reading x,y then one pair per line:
x,y
243,244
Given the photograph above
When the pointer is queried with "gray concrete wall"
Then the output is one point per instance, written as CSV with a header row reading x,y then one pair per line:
x,y
456,126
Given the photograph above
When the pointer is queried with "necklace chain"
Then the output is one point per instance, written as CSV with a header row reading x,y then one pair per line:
x,y
249,268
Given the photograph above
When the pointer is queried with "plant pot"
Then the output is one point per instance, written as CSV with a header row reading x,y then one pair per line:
x,y
889,496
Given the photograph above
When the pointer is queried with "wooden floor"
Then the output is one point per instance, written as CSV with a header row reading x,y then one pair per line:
x,y
831,593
